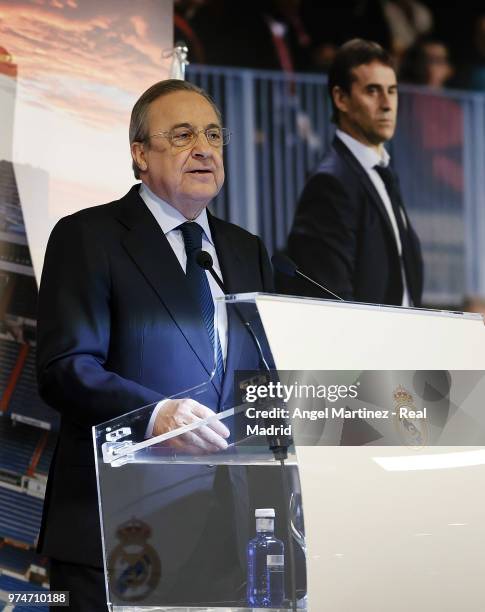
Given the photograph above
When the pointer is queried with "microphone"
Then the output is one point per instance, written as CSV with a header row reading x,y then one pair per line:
x,y
204,259
288,267
278,444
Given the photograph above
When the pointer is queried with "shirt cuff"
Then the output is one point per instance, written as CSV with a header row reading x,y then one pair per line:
x,y
151,422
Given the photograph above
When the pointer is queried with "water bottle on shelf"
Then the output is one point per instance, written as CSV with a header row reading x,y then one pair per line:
x,y
266,564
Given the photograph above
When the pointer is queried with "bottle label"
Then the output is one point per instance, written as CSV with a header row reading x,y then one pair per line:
x,y
264,524
275,562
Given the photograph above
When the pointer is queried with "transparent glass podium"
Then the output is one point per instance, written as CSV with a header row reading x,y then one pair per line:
x,y
177,513
178,508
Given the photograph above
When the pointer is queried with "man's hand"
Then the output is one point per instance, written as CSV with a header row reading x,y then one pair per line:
x,y
207,438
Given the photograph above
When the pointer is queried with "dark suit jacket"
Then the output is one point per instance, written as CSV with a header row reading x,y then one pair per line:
x,y
116,331
343,238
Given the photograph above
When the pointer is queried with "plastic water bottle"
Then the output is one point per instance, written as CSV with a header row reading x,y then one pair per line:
x,y
266,564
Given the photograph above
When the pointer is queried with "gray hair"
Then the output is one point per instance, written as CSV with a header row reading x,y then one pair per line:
x,y
138,122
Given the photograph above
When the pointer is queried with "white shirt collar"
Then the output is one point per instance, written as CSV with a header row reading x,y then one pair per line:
x,y
168,217
367,156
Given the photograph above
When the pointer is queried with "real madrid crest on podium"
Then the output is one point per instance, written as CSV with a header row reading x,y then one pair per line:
x,y
410,423
134,566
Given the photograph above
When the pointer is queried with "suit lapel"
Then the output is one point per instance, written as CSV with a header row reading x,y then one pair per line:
x,y
231,260
154,257
352,161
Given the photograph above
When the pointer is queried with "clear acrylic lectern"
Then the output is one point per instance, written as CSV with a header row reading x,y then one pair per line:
x,y
177,512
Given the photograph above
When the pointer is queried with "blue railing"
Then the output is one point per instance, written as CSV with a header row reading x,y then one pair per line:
x,y
281,127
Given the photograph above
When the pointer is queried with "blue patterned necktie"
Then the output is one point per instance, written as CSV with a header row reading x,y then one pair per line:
x,y
199,285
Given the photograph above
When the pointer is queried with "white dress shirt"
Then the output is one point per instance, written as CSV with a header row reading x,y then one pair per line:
x,y
169,218
368,158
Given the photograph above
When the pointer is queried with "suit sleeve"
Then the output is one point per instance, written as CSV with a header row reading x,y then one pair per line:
x,y
324,239
73,330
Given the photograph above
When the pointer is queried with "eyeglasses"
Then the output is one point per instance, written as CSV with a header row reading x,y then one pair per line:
x,y
187,136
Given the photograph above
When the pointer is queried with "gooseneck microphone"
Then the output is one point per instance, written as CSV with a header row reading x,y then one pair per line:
x,y
288,267
277,444
204,259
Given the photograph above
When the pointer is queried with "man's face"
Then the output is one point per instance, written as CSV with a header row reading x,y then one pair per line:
x,y
186,177
368,113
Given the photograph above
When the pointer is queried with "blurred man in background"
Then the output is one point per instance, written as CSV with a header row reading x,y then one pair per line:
x,y
351,232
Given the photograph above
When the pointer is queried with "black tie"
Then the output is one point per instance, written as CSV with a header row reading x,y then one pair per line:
x,y
199,285
392,187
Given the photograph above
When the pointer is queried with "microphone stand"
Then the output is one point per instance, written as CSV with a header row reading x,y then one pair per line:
x,y
288,267
276,445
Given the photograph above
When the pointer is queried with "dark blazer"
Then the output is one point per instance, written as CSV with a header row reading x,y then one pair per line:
x,y
343,238
116,331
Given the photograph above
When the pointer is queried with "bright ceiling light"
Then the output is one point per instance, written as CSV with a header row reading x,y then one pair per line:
x,y
443,461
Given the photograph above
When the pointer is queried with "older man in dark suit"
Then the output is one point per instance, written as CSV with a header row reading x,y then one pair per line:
x,y
351,231
126,317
